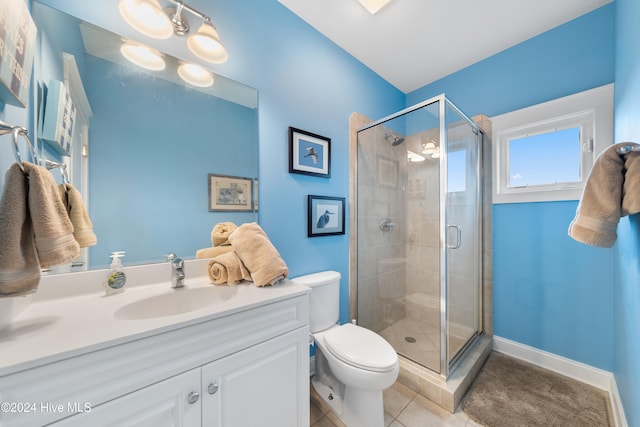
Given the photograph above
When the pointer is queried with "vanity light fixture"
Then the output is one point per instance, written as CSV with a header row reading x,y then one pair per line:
x,y
373,6
143,56
204,43
195,75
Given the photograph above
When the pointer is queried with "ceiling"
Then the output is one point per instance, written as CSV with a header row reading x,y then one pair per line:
x,y
411,43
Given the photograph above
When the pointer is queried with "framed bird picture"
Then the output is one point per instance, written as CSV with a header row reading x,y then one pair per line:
x,y
309,154
325,215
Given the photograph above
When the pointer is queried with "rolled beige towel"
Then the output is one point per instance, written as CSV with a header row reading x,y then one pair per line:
x,y
213,251
227,268
220,233
259,255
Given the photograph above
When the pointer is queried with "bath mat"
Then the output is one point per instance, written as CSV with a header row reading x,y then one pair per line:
x,y
511,393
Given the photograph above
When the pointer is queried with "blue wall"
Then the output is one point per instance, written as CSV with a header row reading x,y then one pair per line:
x,y
549,291
627,284
307,82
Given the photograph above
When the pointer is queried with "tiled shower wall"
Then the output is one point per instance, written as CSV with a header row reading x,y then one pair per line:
x,y
423,233
381,254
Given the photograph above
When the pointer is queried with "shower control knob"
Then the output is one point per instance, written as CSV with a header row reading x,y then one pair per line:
x,y
193,397
386,224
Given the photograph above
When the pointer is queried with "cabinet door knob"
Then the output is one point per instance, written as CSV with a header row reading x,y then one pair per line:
x,y
213,388
193,397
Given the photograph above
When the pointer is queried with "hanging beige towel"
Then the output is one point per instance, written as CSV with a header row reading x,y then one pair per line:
x,y
228,268
52,227
631,188
220,233
259,255
601,204
82,226
19,268
213,251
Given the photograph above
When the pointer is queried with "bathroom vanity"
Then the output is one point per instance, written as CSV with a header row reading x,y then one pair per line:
x,y
156,356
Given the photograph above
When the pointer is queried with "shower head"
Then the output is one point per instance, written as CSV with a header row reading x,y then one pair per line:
x,y
395,140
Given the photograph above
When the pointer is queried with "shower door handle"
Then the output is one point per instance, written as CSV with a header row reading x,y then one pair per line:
x,y
458,236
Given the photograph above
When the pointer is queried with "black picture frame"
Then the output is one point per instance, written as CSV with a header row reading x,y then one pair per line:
x,y
325,215
309,153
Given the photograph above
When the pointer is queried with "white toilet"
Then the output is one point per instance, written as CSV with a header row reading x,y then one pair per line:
x,y
353,365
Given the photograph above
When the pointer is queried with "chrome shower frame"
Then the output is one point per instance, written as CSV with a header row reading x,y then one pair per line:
x,y
448,365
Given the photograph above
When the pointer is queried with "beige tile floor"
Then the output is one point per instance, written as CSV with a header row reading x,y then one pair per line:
x,y
424,347
403,407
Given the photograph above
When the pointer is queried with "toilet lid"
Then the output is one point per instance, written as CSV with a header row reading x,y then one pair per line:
x,y
361,347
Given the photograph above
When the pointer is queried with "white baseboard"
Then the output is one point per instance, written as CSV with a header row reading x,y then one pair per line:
x,y
616,404
598,378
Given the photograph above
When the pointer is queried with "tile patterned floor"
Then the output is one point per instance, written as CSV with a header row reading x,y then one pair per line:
x,y
424,347
423,344
403,407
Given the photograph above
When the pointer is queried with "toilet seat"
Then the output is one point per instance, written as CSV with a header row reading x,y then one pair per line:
x,y
361,348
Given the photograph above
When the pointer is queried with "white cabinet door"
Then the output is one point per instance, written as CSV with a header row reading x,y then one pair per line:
x,y
175,401
266,385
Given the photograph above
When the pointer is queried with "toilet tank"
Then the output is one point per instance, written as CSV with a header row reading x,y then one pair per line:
x,y
324,301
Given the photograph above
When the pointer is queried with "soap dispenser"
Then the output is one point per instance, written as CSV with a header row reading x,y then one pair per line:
x,y
116,277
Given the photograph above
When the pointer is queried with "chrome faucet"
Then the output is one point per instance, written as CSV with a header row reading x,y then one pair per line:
x,y
177,270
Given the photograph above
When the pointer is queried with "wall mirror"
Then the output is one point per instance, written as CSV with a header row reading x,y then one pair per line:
x,y
144,142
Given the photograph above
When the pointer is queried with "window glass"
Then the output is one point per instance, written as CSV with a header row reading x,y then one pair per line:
x,y
547,158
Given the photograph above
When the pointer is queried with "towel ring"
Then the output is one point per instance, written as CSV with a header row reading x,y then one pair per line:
x,y
17,131
63,169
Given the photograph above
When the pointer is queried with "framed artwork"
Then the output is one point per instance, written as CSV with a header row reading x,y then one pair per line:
x,y
230,193
17,47
309,154
325,216
59,116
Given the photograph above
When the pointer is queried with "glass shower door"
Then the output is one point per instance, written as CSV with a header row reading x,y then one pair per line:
x,y
463,232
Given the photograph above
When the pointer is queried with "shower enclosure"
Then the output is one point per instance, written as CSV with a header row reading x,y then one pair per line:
x,y
419,232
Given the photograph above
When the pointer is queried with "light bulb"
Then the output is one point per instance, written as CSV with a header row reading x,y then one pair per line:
x,y
195,75
143,56
429,148
147,17
205,44
414,157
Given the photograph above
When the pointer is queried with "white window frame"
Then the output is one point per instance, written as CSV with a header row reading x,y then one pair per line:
x,y
591,110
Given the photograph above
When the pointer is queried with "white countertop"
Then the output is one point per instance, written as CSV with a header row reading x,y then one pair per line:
x,y
68,317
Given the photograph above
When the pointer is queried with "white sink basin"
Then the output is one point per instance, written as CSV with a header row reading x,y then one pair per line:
x,y
176,301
